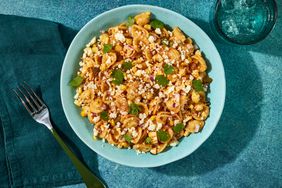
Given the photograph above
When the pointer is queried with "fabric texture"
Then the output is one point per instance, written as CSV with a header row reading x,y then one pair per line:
x,y
33,50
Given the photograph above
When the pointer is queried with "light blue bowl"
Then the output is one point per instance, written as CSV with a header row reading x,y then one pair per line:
x,y
83,128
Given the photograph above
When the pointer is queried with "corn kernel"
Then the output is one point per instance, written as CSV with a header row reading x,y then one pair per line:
x,y
134,69
94,49
159,72
104,38
83,113
153,118
147,26
118,48
112,122
123,87
148,71
128,41
171,122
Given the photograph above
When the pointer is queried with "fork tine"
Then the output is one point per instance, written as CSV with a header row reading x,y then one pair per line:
x,y
32,98
27,99
22,101
36,96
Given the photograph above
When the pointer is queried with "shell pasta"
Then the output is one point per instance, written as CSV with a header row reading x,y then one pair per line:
x,y
142,85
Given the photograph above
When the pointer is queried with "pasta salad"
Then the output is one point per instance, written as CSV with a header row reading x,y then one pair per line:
x,y
142,85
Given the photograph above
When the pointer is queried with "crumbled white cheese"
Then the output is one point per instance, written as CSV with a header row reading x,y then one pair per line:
x,y
134,134
182,57
156,86
88,51
107,126
138,73
120,37
176,121
123,132
96,119
151,39
123,113
95,132
169,90
159,126
175,45
161,95
170,33
151,127
173,144
137,100
113,115
81,63
138,152
177,97
158,31
197,128
108,61
167,61
191,77
142,115
91,85
93,40
186,89
76,102
75,96
118,124
186,120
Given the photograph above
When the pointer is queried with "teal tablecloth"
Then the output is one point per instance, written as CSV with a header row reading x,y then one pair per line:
x,y
246,148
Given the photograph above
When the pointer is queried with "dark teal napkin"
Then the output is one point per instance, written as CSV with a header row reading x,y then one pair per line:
x,y
33,50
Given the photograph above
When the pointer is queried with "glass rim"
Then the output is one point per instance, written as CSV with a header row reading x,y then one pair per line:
x,y
275,8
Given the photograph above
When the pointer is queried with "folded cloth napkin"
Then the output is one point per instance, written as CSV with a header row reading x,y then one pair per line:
x,y
33,50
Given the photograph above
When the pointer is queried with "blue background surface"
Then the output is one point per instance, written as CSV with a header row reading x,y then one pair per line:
x,y
246,148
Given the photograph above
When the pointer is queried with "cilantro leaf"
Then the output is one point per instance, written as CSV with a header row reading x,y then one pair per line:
x,y
134,109
76,81
118,76
157,24
148,140
107,48
197,85
162,80
163,136
128,138
178,127
104,115
130,21
127,65
168,69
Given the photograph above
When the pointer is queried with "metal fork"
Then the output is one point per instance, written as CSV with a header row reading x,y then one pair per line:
x,y
40,113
